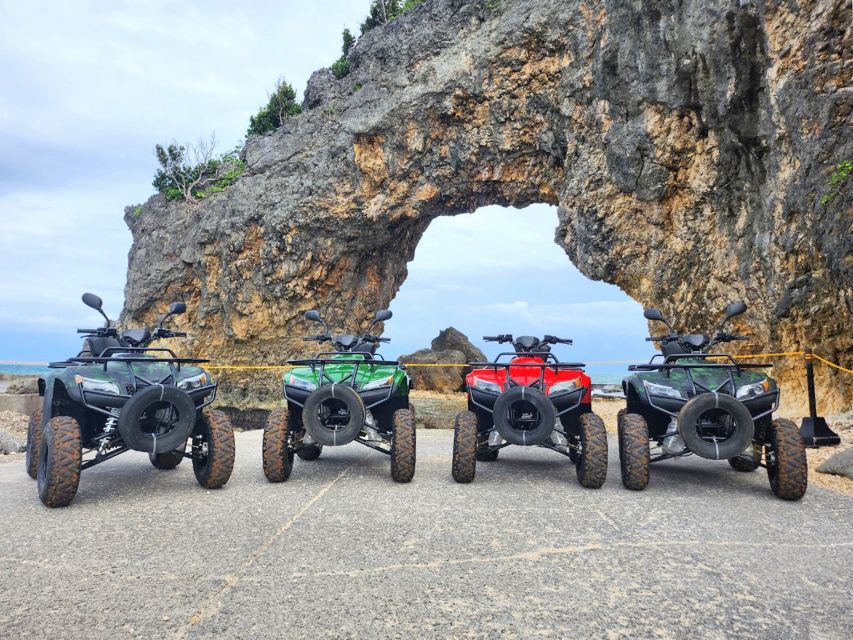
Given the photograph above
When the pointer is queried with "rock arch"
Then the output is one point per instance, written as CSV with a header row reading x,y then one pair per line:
x,y
686,146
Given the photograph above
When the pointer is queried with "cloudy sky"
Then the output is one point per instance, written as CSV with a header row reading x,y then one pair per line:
x,y
88,88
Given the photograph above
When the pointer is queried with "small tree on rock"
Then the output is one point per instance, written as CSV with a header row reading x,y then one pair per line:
x,y
280,106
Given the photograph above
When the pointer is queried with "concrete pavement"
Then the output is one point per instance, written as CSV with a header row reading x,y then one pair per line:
x,y
340,551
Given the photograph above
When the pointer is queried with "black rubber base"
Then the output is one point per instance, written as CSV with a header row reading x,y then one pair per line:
x,y
816,433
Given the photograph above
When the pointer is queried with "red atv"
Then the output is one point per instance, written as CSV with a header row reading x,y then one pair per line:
x,y
530,399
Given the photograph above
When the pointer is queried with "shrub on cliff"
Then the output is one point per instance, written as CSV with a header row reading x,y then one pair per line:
x,y
384,11
837,182
340,67
191,172
381,12
281,106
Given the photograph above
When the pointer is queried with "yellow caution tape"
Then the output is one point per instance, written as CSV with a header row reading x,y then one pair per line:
x,y
283,367
831,364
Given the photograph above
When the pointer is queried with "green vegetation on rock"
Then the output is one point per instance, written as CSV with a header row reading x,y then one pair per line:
x,y
837,182
281,106
381,13
191,172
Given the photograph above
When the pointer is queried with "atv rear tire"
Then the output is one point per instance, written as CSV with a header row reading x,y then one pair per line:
x,y
689,416
323,434
465,447
60,458
169,459
592,466
277,457
787,465
309,452
34,430
484,454
403,446
746,465
213,469
524,437
634,455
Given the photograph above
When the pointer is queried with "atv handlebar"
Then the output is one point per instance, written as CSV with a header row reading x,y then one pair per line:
x,y
166,333
556,340
505,337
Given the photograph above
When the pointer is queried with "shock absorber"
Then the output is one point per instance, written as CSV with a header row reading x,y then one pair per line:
x,y
110,425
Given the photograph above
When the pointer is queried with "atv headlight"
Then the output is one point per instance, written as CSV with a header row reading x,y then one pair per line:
x,y
563,387
299,383
757,388
487,386
376,384
101,386
661,390
193,383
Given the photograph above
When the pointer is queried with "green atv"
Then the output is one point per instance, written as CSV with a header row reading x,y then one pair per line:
x,y
695,402
118,395
337,397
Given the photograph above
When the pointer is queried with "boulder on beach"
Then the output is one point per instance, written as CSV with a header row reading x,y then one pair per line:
x,y
450,347
444,379
839,464
22,386
453,339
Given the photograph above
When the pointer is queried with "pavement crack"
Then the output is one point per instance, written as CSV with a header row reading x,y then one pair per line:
x,y
537,555
214,602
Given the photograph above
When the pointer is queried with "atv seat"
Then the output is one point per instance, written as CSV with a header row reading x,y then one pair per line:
x,y
672,349
95,346
367,348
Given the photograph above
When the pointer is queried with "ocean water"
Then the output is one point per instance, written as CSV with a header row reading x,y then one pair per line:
x,y
25,369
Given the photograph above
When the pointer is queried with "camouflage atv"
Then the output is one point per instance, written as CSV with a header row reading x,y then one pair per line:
x,y
119,394
350,394
695,402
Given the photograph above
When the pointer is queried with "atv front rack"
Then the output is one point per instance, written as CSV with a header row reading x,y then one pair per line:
x,y
113,354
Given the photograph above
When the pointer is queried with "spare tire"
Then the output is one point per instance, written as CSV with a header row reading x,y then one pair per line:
x,y
334,415
157,419
524,416
737,434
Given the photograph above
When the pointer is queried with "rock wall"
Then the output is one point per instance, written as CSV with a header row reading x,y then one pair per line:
x,y
686,144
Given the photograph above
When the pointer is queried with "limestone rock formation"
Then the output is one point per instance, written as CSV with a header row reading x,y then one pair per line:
x,y
450,347
686,143
447,379
452,338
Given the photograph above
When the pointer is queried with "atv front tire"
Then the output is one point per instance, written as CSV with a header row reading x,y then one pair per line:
x,y
592,465
59,461
277,456
465,447
403,446
634,457
787,465
167,460
33,444
214,463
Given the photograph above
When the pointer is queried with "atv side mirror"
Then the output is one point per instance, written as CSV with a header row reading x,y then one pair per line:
x,y
314,315
176,308
382,315
735,309
653,314
93,301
